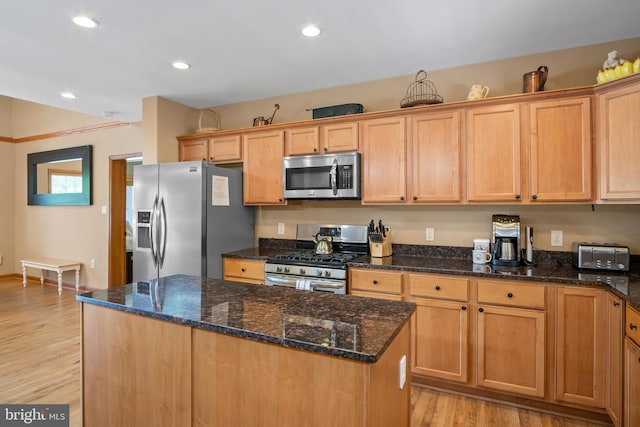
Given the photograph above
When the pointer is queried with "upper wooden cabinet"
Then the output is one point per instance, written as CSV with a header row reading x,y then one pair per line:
x,y
435,157
262,169
384,156
560,147
618,139
223,149
321,139
493,141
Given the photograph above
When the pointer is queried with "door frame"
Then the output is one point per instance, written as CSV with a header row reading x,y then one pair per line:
x,y
117,220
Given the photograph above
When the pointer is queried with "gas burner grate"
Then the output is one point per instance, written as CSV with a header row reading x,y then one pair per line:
x,y
312,257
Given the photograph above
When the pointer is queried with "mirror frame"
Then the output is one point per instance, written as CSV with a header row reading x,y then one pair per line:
x,y
85,153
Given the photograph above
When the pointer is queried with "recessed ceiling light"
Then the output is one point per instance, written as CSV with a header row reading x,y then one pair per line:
x,y
311,31
85,21
68,95
181,65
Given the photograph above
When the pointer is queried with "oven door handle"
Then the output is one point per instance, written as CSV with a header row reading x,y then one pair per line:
x,y
327,285
285,282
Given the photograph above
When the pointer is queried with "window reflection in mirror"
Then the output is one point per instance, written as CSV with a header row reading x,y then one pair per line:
x,y
60,177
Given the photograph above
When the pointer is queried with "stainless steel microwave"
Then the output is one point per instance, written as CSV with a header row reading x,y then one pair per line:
x,y
322,176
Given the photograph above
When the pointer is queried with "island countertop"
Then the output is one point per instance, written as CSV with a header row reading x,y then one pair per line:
x,y
345,326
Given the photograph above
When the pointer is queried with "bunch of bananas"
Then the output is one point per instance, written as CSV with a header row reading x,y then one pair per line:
x,y
623,68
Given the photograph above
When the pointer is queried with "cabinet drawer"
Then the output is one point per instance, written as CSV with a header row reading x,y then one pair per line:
x,y
238,268
376,281
512,294
633,325
438,287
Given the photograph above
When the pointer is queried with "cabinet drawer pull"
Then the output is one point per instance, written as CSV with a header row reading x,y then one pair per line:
x,y
509,295
437,287
375,282
481,310
242,269
464,308
632,326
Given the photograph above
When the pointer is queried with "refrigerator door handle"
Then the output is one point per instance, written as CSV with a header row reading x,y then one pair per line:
x,y
162,244
153,231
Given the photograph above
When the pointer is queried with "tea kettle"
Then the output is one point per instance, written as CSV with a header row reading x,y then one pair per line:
x,y
324,245
534,81
261,121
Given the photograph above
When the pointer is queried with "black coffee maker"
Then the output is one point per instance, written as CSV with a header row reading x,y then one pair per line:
x,y
505,240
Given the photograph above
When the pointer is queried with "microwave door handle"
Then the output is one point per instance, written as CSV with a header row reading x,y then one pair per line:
x,y
332,175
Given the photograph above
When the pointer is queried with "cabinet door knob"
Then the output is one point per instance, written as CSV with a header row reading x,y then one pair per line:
x,y
204,160
326,149
242,269
534,197
481,310
315,150
509,295
517,197
632,326
375,282
415,197
616,303
437,287
280,200
401,197
464,308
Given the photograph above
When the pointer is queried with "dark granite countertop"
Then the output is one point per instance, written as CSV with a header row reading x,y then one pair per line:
x,y
625,285
345,326
256,253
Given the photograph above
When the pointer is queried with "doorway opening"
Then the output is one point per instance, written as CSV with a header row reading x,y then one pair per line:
x,y
121,217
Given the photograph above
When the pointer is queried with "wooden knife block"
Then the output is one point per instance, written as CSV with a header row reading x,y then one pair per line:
x,y
379,250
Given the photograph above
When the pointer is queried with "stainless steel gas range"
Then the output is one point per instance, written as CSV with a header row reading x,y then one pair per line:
x,y
305,269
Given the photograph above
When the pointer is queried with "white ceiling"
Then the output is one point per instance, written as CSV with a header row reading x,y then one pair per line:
x,y
246,49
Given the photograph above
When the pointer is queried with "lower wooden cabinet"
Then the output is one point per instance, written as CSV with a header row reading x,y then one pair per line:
x,y
613,358
440,344
632,383
243,270
580,349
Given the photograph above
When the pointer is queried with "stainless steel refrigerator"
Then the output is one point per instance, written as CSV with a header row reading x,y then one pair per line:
x,y
186,215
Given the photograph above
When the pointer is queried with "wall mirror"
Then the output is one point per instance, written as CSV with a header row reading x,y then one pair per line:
x,y
60,177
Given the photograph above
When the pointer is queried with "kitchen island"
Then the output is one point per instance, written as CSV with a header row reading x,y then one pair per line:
x,y
189,351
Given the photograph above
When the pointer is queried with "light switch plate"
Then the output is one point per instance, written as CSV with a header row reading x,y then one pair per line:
x,y
556,238
430,234
281,228
403,371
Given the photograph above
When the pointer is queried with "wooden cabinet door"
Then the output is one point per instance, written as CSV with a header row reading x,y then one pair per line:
x,y
384,156
580,350
340,137
302,141
510,350
435,154
440,346
196,149
262,169
225,149
618,148
613,358
493,153
560,150
631,383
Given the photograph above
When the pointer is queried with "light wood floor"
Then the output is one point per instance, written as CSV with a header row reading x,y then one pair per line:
x,y
40,363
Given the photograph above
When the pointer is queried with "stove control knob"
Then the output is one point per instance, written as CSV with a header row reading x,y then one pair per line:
x,y
318,273
278,269
327,273
302,271
286,269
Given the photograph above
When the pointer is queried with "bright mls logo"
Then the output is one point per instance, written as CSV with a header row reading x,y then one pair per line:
x,y
34,415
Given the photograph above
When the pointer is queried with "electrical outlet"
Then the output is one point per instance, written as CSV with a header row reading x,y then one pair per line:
x,y
430,234
93,263
556,238
103,210
403,372
281,228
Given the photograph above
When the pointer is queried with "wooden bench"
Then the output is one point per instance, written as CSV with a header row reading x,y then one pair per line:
x,y
57,265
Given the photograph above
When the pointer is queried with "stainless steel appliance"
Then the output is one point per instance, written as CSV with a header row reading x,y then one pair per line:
x,y
323,176
186,215
505,240
305,269
600,256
